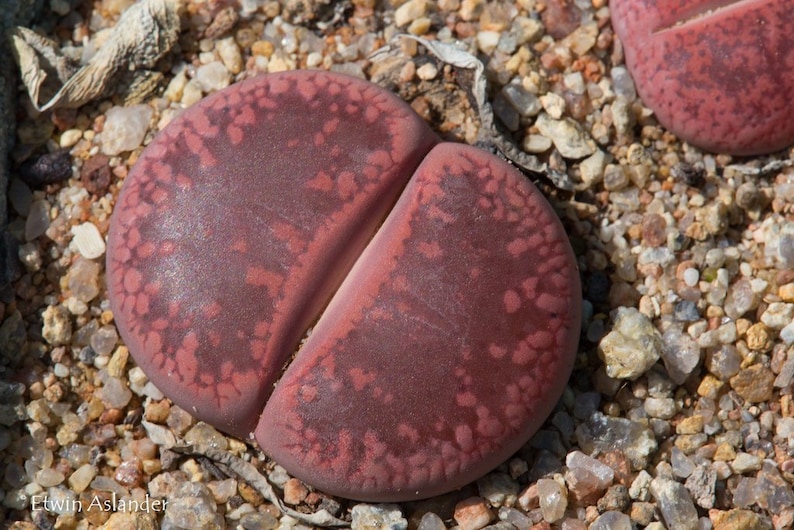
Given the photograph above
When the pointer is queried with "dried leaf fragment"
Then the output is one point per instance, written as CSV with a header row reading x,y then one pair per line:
x,y
143,35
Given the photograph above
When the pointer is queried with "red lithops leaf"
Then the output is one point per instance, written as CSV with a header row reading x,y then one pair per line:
x,y
717,73
447,345
254,229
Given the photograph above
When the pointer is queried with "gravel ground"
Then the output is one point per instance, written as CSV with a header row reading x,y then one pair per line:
x,y
679,411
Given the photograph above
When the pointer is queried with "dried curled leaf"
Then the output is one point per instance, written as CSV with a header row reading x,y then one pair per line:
x,y
144,34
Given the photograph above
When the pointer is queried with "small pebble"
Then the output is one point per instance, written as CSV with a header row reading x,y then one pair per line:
x,y
124,128
568,137
553,104
409,11
592,168
535,143
778,315
47,168
427,72
96,175
632,347
612,521
736,518
553,500
82,477
472,514
70,137
295,491
525,103
191,505
38,220
744,462
675,504
702,484
88,240
205,434
382,516
754,384
114,392
487,41
615,177
212,77
605,433
57,328
49,477
230,55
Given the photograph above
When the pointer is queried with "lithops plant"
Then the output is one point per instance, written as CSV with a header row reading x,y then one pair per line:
x,y
717,73
299,259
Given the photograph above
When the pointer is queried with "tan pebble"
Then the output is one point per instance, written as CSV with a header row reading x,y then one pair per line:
x,y
82,477
245,37
472,514
689,443
742,325
113,416
529,499
737,518
279,64
448,5
295,491
710,387
236,447
420,26
36,390
409,11
471,9
716,312
230,55
536,143
725,452
70,137
407,72
157,411
642,513
106,317
786,292
118,361
152,466
94,514
487,41
427,71
54,392
690,425
757,337
754,384
176,87
591,513
194,470
271,9
249,494
263,48
95,408
635,232
786,406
